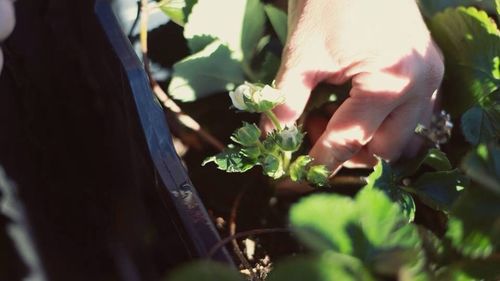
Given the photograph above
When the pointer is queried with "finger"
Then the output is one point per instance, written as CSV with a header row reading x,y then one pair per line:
x,y
396,131
416,142
363,159
296,88
7,18
1,60
353,125
350,128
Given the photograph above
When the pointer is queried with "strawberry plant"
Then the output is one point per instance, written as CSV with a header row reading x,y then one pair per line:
x,y
274,153
373,235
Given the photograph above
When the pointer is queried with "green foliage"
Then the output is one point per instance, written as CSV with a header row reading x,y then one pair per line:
x,y
482,124
383,178
253,29
273,166
231,160
278,20
177,10
210,28
433,158
470,41
370,227
324,267
318,175
474,226
248,135
483,167
298,167
289,139
439,190
274,153
211,70
430,7
370,236
205,271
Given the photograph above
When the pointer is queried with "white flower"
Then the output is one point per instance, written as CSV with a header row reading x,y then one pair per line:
x,y
238,94
255,98
271,94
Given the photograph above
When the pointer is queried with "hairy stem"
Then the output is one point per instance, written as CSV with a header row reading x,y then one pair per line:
x,y
270,114
287,157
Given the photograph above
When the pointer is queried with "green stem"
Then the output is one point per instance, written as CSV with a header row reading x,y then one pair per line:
x,y
287,157
273,119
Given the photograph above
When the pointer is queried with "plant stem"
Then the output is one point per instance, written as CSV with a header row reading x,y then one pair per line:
x,y
287,157
259,231
234,242
273,119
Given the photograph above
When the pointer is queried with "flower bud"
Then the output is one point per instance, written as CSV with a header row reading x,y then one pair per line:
x,y
251,152
318,175
289,139
273,166
298,168
237,96
255,98
247,135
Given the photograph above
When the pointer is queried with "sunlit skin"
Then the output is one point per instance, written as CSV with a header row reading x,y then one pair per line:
x,y
7,22
385,50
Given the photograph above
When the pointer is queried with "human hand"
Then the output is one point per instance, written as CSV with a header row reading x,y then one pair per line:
x,y
7,21
386,51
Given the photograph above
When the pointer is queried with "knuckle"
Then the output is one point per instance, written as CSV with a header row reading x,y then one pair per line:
x,y
343,151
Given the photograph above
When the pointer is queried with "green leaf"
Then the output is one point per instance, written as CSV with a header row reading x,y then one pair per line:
x,y
205,271
238,24
439,190
470,42
369,227
298,168
279,21
253,28
474,225
430,7
469,240
177,10
269,68
432,245
433,158
326,267
453,273
231,160
211,70
483,166
321,221
481,125
214,20
383,178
